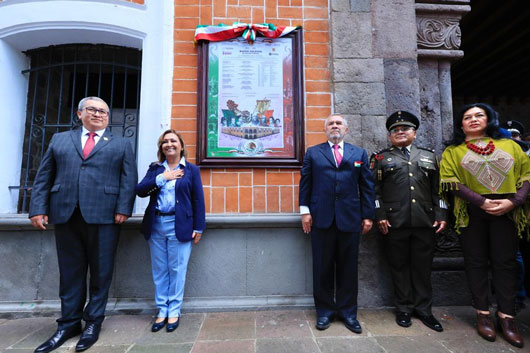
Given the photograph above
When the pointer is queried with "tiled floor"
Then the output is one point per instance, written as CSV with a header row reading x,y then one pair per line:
x,y
285,331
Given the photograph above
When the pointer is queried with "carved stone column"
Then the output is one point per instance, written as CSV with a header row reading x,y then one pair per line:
x,y
438,40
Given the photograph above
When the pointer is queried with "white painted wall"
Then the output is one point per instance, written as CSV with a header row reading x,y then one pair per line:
x,y
38,23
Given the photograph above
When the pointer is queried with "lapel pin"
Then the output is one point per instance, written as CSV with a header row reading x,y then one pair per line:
x,y
105,138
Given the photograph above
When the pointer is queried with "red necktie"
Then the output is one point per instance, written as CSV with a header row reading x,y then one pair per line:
x,y
89,145
336,152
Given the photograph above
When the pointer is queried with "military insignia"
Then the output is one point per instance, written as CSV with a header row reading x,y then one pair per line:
x,y
379,157
427,160
389,159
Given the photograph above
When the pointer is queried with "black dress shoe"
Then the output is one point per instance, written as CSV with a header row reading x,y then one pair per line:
x,y
158,325
403,319
352,325
431,322
323,322
89,336
58,338
172,327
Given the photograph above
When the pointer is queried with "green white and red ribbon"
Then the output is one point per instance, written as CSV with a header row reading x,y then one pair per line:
x,y
246,30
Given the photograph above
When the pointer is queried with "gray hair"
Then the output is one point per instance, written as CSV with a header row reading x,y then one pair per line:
x,y
82,102
331,115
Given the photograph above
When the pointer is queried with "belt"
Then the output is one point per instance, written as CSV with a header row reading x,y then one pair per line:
x,y
158,213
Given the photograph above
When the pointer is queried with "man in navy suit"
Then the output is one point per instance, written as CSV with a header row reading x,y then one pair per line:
x,y
337,206
85,186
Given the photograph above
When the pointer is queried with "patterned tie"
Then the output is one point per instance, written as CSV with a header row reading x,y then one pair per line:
x,y
336,152
405,152
89,145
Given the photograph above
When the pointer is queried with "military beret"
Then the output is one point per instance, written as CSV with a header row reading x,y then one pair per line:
x,y
513,126
402,117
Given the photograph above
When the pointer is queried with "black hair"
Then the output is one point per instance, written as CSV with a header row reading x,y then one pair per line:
x,y
492,129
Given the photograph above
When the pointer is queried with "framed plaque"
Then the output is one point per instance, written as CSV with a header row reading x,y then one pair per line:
x,y
250,104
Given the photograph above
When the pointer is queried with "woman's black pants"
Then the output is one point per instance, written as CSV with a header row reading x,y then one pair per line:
x,y
491,241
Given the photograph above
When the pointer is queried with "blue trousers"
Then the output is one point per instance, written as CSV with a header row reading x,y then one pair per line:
x,y
169,263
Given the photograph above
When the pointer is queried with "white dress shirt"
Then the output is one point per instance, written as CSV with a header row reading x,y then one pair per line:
x,y
84,136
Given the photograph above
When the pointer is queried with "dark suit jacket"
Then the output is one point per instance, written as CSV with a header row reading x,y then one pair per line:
x,y
407,189
345,194
102,185
189,201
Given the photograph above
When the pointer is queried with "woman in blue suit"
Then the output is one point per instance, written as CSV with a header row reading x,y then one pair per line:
x,y
173,218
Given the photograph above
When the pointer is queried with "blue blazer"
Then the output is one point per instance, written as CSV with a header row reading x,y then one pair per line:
x,y
102,185
345,194
189,201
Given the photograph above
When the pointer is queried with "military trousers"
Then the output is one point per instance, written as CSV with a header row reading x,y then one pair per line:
x,y
410,252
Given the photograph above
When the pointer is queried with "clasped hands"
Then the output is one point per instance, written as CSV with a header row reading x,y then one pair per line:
x,y
497,207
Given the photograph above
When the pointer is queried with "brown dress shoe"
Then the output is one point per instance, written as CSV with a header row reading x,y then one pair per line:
x,y
486,327
509,331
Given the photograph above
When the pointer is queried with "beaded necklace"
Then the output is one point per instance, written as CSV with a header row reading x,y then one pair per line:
x,y
485,151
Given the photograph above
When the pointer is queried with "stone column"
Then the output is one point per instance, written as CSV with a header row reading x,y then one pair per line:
x,y
438,40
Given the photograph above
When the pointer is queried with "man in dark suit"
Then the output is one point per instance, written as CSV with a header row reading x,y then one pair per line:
x,y
408,213
337,206
85,186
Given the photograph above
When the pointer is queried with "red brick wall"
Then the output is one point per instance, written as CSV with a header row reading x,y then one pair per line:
x,y
252,190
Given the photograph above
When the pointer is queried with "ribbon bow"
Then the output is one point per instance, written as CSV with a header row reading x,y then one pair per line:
x,y
248,31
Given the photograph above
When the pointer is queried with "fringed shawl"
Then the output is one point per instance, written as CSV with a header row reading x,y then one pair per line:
x,y
502,172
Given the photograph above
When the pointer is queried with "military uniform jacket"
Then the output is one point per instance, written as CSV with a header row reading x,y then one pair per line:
x,y
407,189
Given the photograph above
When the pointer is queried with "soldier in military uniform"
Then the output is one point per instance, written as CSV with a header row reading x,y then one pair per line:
x,y
408,213
516,130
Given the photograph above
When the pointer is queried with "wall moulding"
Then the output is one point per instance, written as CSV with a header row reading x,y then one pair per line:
x,y
438,26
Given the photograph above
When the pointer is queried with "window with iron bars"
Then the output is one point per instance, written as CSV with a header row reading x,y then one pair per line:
x,y
59,77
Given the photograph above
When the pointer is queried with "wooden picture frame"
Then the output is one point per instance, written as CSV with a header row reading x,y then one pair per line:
x,y
250,107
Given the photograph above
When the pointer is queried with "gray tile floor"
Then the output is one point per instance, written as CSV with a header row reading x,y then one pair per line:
x,y
275,331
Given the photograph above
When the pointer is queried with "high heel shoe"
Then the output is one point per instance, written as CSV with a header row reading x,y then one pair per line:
x,y
486,327
509,331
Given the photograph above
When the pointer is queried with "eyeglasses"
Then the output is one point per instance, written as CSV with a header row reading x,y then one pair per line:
x,y
401,129
95,111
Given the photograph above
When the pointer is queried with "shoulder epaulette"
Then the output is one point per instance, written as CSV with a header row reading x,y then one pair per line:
x,y
379,155
383,150
426,149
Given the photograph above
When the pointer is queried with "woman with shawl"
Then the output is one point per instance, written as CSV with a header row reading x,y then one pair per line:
x,y
488,177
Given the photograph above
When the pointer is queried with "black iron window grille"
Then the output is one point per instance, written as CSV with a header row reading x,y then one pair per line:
x,y
59,77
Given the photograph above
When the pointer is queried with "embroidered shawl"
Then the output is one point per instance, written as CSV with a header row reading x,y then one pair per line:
x,y
502,172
